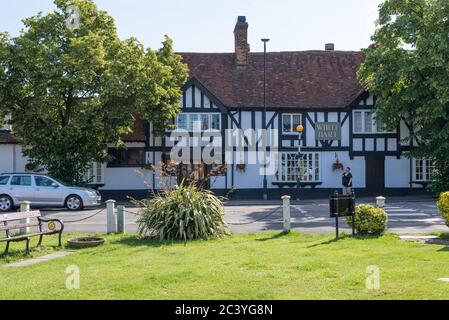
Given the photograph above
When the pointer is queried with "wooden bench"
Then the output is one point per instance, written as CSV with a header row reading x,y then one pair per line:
x,y
13,221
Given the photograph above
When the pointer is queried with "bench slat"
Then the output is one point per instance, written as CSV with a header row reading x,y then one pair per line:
x,y
19,215
18,226
27,236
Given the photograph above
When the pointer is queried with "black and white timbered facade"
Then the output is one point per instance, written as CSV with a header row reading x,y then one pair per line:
x,y
317,89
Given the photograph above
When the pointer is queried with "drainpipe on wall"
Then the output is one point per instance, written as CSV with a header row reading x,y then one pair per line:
x,y
14,162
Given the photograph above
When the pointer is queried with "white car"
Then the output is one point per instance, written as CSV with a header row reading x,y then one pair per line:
x,y
43,191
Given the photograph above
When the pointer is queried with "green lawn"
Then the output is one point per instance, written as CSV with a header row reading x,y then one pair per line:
x,y
255,266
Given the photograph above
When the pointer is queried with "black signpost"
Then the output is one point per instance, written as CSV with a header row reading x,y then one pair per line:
x,y
342,206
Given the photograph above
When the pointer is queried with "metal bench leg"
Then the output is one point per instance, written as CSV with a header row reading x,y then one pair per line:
x,y
40,240
28,246
7,247
60,242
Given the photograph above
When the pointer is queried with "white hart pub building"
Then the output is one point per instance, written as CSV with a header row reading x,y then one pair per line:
x,y
225,91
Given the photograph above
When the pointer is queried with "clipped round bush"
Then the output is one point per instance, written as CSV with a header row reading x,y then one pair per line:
x,y
443,206
369,219
184,213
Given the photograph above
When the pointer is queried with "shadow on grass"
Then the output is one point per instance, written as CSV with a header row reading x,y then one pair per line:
x,y
135,241
275,236
347,236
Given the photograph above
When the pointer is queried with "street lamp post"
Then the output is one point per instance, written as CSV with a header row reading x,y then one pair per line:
x,y
264,115
300,130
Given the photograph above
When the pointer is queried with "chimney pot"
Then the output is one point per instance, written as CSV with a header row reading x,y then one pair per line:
x,y
329,47
241,41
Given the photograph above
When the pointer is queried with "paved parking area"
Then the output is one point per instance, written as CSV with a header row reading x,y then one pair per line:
x,y
406,216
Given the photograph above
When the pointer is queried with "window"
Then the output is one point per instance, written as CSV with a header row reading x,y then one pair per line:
x,y
290,121
364,121
4,180
131,157
6,123
198,122
424,169
95,174
21,181
43,181
308,167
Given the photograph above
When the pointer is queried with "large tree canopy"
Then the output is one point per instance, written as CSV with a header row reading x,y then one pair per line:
x,y
408,69
71,85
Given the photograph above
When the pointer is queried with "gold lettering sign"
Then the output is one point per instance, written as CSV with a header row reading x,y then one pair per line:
x,y
327,131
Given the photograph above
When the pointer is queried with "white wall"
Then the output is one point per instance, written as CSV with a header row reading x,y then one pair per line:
x,y
11,158
397,172
331,179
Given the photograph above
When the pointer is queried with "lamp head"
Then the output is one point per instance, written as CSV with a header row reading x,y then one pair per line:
x,y
300,128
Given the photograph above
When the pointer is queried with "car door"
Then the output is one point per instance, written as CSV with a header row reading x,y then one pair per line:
x,y
21,188
47,191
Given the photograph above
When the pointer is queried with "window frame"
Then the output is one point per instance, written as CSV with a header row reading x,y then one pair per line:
x,y
363,122
290,115
283,172
199,115
121,165
426,166
22,185
93,173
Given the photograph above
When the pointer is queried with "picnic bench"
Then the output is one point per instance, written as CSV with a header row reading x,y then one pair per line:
x,y
28,219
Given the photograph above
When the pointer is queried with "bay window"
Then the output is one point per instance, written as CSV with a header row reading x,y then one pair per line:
x,y
290,167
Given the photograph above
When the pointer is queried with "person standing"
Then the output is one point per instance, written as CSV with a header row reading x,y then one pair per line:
x,y
347,181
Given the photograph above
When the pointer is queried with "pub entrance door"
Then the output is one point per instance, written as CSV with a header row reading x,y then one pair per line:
x,y
375,174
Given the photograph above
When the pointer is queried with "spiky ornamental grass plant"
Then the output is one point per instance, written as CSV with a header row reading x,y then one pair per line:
x,y
184,213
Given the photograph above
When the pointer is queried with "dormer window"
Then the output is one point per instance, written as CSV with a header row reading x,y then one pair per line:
x,y
198,122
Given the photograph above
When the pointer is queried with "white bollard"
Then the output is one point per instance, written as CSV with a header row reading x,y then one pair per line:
x,y
111,218
286,212
24,207
380,202
121,228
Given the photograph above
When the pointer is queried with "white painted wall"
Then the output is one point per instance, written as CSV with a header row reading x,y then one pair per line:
x,y
332,179
397,172
11,158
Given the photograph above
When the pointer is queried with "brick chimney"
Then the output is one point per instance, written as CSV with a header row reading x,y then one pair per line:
x,y
241,41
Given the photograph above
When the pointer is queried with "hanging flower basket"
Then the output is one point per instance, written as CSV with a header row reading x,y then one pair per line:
x,y
30,166
337,165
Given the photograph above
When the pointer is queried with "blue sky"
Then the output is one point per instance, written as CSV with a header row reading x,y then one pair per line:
x,y
207,25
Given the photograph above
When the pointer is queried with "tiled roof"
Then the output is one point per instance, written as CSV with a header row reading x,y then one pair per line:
x,y
7,138
302,79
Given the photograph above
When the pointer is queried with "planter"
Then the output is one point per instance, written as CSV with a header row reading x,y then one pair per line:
x,y
86,242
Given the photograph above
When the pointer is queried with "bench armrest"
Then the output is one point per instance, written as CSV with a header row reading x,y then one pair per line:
x,y
41,219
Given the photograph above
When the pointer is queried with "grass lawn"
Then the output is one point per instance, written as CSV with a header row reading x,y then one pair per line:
x,y
255,266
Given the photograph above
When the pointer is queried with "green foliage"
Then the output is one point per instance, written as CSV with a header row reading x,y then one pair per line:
x,y
71,89
184,213
369,219
443,205
408,70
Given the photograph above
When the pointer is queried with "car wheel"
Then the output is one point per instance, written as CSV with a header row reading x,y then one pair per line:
x,y
6,203
73,203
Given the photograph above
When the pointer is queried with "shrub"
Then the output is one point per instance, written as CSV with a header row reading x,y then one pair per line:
x,y
183,213
369,219
443,205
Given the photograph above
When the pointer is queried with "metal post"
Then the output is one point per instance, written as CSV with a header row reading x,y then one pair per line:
x,y
264,115
336,227
24,207
121,219
298,181
286,212
111,218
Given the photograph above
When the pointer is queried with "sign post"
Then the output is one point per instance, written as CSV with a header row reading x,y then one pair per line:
x,y
342,206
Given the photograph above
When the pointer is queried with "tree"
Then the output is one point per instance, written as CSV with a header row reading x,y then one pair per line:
x,y
71,86
408,69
